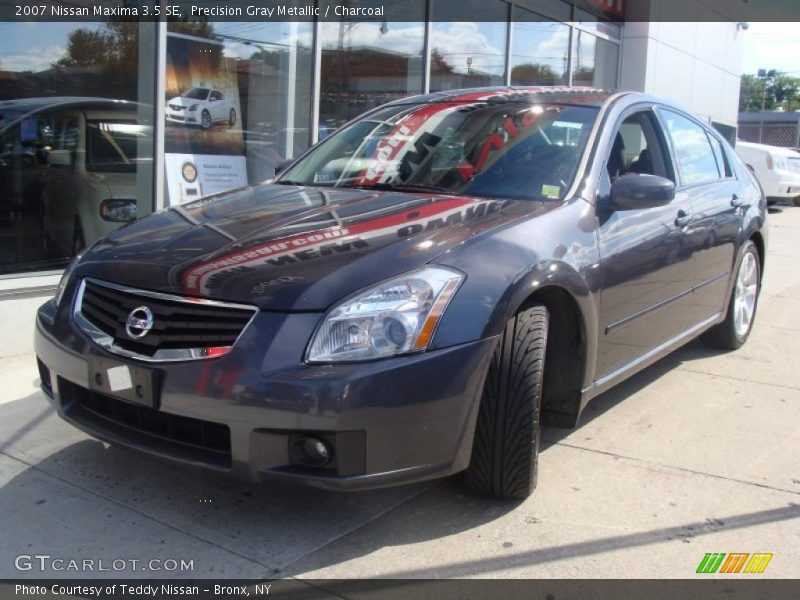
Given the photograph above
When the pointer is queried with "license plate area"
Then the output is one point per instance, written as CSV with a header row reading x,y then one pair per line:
x,y
124,381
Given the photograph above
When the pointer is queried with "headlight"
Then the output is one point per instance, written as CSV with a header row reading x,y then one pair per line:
x,y
398,316
118,210
62,285
780,162
193,107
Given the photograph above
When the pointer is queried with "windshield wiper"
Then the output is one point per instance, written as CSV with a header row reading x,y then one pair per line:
x,y
402,187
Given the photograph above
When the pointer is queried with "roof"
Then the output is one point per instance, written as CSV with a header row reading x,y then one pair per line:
x,y
586,96
769,117
24,107
34,104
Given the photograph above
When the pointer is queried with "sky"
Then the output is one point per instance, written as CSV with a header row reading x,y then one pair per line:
x,y
771,46
764,45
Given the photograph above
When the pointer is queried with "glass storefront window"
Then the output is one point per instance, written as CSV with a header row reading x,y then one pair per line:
x,y
540,50
595,61
76,139
366,64
237,105
468,54
589,21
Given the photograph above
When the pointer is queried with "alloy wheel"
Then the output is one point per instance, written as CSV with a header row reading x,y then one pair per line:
x,y
745,296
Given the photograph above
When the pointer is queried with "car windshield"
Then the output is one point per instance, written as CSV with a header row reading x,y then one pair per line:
x,y
506,149
196,93
112,145
8,116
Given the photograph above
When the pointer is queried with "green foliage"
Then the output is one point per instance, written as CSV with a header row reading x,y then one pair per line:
x,y
534,74
781,91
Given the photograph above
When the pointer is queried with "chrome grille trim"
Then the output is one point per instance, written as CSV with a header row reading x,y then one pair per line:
x,y
107,342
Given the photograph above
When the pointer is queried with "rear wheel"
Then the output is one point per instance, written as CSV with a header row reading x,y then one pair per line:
x,y
232,118
733,332
505,452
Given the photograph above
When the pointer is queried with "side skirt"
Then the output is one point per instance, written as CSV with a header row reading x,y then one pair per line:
x,y
608,381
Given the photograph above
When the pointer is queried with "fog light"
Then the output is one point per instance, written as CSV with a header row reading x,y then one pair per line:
x,y
316,452
309,451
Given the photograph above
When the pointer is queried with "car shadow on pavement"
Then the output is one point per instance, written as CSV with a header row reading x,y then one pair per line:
x,y
74,496
268,526
606,401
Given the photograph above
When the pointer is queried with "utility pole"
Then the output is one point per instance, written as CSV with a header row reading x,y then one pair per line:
x,y
766,78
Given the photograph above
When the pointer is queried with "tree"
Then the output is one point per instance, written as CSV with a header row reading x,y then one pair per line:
x,y
534,74
780,91
87,47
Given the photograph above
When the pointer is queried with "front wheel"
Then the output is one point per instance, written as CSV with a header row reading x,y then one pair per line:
x,y
733,332
205,119
796,201
505,452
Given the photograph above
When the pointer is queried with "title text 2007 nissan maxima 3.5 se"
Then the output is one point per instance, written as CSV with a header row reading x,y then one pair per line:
x,y
416,294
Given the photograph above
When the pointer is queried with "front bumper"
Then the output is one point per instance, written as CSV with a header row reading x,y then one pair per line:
x,y
397,420
183,117
785,184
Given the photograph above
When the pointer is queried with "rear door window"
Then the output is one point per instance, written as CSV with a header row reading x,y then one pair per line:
x,y
695,156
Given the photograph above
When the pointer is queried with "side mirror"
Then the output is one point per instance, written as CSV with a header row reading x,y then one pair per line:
x,y
283,166
634,191
59,158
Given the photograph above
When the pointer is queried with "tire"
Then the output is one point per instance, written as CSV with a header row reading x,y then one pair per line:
x,y
232,117
796,201
505,451
205,120
727,335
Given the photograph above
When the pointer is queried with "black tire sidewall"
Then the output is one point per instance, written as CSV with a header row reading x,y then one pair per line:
x,y
504,460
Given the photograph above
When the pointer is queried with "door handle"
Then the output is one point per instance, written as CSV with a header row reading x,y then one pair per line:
x,y
683,219
736,202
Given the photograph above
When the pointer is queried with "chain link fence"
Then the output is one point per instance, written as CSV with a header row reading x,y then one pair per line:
x,y
786,135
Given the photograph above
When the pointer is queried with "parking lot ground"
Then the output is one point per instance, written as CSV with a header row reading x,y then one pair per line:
x,y
697,454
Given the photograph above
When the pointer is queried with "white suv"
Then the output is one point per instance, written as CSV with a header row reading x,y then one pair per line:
x,y
777,169
201,106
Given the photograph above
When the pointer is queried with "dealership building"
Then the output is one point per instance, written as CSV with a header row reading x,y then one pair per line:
x,y
101,121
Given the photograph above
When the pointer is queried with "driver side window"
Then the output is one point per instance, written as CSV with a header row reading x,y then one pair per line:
x,y
636,148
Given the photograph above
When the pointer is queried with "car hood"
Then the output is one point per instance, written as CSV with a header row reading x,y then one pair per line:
x,y
289,247
181,101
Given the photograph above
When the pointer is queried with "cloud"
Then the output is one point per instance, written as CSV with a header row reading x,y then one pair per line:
x,y
35,58
458,42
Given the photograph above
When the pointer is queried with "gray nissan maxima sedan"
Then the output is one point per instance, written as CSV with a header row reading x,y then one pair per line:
x,y
415,295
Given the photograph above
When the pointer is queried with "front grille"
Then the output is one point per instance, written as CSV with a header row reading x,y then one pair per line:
x,y
178,323
183,438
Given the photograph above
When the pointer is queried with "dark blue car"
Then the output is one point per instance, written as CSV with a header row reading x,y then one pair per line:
x,y
415,295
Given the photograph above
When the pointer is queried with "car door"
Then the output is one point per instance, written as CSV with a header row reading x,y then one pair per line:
x,y
645,262
64,163
216,104
706,180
